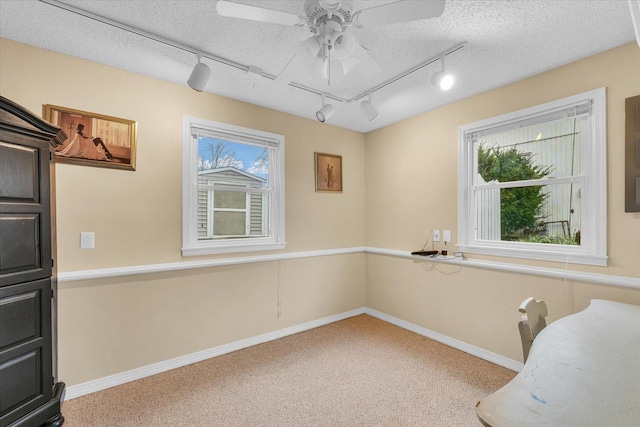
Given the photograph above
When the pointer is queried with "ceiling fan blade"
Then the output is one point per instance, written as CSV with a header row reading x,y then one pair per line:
x,y
402,11
244,11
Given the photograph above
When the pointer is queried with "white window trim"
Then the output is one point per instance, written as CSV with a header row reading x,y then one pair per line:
x,y
593,248
190,243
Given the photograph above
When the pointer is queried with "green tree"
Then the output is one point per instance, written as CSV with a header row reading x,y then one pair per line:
x,y
520,207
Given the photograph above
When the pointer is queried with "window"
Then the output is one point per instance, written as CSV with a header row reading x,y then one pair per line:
x,y
233,188
532,184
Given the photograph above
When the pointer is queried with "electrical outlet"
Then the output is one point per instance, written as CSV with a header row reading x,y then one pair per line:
x,y
87,240
436,235
446,236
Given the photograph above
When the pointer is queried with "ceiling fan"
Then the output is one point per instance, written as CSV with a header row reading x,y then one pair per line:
x,y
329,22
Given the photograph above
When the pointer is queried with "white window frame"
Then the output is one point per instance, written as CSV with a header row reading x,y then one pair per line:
x,y
190,243
593,245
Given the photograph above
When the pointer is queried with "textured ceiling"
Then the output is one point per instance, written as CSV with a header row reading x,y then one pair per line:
x,y
505,41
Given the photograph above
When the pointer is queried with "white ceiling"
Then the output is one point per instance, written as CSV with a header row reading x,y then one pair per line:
x,y
505,41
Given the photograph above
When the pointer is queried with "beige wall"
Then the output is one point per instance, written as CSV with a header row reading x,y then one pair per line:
x,y
136,216
411,187
109,326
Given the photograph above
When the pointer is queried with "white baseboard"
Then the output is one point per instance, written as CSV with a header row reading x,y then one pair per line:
x,y
451,342
167,365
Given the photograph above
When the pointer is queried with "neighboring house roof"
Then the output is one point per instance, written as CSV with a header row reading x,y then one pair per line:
x,y
229,172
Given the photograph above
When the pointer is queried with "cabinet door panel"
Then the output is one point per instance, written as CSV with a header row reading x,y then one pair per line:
x,y
20,382
19,243
25,223
19,166
25,348
22,312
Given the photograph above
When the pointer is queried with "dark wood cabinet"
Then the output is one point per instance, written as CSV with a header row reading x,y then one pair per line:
x,y
30,394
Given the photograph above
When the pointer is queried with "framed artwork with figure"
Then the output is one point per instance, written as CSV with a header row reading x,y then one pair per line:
x,y
94,139
328,173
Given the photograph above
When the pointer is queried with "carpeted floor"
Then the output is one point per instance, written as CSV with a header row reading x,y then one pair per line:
x,y
356,372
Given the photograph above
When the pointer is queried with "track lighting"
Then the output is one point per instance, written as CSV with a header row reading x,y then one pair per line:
x,y
199,76
367,108
325,112
444,81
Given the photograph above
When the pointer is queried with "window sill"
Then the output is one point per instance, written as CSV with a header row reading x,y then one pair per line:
x,y
232,247
553,256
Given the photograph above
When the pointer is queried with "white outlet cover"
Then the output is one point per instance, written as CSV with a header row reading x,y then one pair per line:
x,y
87,239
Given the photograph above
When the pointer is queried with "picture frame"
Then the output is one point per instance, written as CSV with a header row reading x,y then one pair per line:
x,y
94,139
632,154
328,169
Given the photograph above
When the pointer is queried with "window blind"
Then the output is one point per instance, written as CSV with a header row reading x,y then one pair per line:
x,y
564,112
235,136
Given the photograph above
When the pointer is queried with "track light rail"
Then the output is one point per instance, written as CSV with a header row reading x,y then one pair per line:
x,y
246,68
409,71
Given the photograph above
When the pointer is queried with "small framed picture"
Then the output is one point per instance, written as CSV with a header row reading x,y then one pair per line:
x,y
328,173
94,139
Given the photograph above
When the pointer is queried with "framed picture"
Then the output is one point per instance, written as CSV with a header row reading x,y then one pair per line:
x,y
328,173
94,139
632,154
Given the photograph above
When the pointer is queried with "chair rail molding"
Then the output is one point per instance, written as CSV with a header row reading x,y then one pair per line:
x,y
556,273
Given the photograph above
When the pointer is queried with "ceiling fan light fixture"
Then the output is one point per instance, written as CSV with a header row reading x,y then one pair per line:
x,y
199,76
343,46
320,68
332,5
330,22
307,51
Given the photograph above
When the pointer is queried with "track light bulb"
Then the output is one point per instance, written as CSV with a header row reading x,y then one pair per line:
x,y
444,81
325,113
199,76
